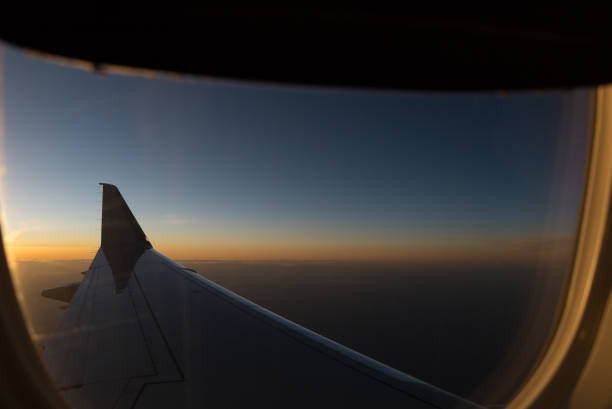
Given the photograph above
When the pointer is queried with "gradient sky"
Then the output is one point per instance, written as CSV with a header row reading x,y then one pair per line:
x,y
234,171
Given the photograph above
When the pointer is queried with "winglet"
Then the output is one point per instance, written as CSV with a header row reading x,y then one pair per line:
x,y
123,240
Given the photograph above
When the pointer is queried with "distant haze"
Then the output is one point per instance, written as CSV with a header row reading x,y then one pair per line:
x,y
472,329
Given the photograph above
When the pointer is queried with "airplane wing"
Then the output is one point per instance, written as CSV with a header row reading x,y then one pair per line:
x,y
142,331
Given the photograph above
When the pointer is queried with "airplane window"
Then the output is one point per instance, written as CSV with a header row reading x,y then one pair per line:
x,y
430,232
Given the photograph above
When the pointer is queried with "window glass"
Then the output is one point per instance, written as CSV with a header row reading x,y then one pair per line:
x,y
430,231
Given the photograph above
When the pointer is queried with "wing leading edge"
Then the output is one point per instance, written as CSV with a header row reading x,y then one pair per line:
x,y
154,334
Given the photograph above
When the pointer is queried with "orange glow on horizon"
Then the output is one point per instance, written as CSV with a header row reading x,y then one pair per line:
x,y
46,253
524,249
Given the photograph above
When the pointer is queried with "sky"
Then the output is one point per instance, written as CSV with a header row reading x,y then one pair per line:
x,y
239,171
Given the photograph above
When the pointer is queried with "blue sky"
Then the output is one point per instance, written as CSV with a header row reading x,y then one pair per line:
x,y
201,162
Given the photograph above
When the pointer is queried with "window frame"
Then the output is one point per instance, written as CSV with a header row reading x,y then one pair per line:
x,y
25,382
552,381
